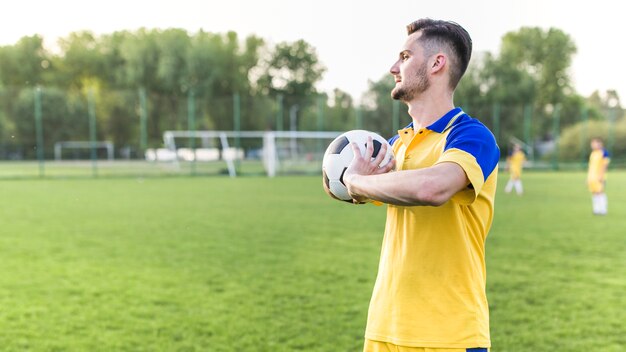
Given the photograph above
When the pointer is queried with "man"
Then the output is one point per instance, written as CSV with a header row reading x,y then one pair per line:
x,y
515,164
430,289
596,176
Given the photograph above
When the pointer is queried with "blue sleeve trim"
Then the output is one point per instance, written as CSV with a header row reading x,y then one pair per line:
x,y
477,350
606,153
474,138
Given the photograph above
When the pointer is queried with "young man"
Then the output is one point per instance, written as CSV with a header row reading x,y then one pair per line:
x,y
596,176
430,289
515,164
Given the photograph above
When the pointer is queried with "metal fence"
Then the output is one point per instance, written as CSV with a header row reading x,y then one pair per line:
x,y
50,132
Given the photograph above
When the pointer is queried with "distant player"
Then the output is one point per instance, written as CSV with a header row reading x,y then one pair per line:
x,y
515,163
596,176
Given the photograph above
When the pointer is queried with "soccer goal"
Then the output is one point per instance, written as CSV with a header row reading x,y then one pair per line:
x,y
82,149
271,152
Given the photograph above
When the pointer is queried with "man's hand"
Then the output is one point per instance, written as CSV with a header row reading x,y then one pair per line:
x,y
364,165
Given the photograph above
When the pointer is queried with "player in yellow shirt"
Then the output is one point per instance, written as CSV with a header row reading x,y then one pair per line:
x,y
596,176
430,289
515,164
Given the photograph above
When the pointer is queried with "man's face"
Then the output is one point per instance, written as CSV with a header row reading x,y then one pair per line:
x,y
596,144
410,71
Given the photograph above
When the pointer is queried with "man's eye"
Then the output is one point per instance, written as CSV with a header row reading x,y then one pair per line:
x,y
405,57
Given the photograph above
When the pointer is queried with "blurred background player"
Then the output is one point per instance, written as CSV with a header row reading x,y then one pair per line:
x,y
515,163
596,176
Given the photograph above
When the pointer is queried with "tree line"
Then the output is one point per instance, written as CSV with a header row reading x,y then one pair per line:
x,y
229,82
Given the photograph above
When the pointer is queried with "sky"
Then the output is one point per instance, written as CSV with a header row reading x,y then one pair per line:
x,y
356,40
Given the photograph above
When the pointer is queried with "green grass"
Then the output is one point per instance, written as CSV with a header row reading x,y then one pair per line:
x,y
124,168
257,264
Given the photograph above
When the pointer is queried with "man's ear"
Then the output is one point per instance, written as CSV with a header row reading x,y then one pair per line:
x,y
439,62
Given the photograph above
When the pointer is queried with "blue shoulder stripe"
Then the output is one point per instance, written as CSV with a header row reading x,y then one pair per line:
x,y
471,136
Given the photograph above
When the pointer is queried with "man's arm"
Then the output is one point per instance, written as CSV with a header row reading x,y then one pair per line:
x,y
429,186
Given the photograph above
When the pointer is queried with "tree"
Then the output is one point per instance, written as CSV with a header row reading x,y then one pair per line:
x,y
172,70
292,71
378,107
140,52
341,113
64,118
531,71
81,63
546,56
24,63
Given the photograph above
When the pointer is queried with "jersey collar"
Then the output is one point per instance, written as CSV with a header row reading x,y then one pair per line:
x,y
444,122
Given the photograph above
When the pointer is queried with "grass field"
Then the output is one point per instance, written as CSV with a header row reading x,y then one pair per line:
x,y
118,168
257,264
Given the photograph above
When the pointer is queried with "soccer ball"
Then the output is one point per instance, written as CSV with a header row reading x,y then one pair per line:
x,y
339,155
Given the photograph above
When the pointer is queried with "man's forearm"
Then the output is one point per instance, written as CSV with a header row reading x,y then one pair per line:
x,y
383,188
431,186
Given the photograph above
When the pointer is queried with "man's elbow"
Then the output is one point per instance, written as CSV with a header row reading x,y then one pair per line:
x,y
431,194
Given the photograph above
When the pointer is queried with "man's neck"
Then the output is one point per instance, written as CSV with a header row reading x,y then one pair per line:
x,y
428,108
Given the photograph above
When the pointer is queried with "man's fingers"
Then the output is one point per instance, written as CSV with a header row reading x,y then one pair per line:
x,y
389,166
381,154
386,168
355,150
369,150
365,164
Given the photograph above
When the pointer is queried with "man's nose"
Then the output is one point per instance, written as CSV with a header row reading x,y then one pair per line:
x,y
395,69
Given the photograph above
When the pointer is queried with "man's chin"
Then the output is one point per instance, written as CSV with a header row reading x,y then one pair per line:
x,y
397,94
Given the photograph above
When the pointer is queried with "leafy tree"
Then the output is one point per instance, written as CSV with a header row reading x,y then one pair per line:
x,y
341,113
378,107
82,62
24,63
292,71
172,71
140,52
112,48
544,55
601,104
21,65
58,109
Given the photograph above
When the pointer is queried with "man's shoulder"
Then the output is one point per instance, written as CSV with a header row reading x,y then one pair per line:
x,y
469,125
470,130
473,137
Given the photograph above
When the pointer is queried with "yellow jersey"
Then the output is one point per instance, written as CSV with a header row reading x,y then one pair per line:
x,y
516,164
596,175
430,288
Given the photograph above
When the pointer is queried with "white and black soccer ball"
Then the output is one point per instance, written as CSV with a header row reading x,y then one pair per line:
x,y
339,155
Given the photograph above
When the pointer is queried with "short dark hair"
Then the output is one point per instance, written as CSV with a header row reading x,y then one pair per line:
x,y
437,34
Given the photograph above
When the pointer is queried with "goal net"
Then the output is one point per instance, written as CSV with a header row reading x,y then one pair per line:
x,y
247,152
81,150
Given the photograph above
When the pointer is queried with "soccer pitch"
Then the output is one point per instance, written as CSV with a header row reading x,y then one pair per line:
x,y
257,264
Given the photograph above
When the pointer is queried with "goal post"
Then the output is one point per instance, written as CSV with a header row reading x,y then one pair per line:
x,y
279,151
83,145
